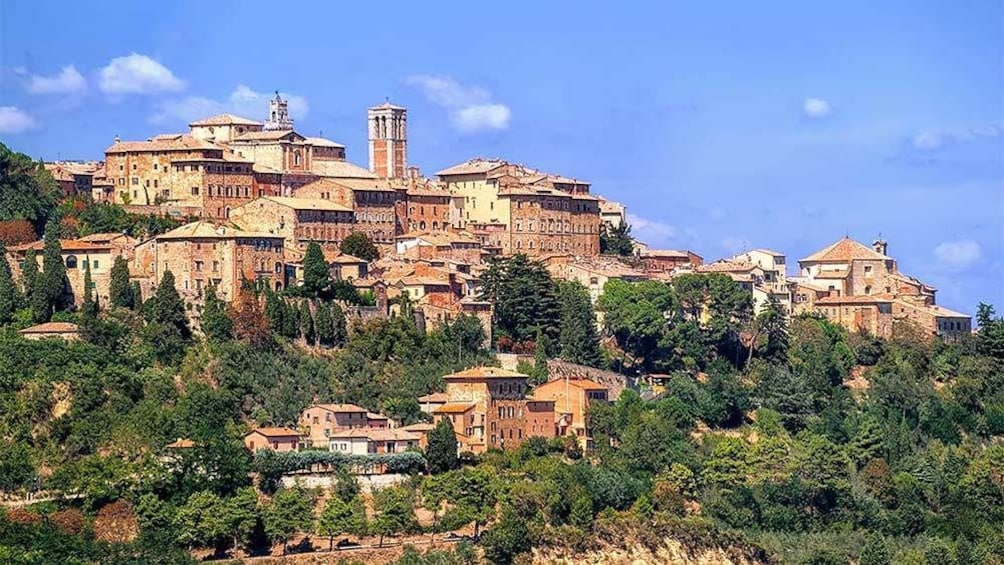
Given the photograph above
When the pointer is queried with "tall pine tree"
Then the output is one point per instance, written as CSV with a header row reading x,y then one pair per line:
x,y
579,340
168,308
340,329
120,292
8,292
53,269
216,324
316,273
306,323
325,325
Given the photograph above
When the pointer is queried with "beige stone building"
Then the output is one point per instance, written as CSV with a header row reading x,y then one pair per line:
x,y
572,399
862,289
97,252
320,422
202,254
298,221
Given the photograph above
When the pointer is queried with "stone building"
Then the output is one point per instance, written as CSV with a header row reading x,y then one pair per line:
x,y
592,272
669,261
612,214
422,209
388,140
319,422
488,409
276,439
861,288
298,220
439,245
543,213
222,128
74,177
179,170
201,254
572,399
372,201
98,253
761,272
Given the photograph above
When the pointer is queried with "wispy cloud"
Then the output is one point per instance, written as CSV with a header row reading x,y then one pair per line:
x,y
137,74
471,108
932,140
816,108
957,255
650,231
67,81
243,101
14,120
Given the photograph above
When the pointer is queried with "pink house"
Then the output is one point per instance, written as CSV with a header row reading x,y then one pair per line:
x,y
320,421
278,439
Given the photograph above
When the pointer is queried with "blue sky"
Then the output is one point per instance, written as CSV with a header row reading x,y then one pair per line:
x,y
721,125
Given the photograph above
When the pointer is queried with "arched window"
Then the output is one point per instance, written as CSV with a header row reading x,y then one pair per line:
x,y
435,225
71,262
227,212
421,225
278,267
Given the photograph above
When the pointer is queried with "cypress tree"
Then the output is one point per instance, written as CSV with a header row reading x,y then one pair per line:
x,y
306,323
89,308
136,296
274,311
579,340
340,331
29,274
168,308
119,290
8,292
316,273
53,269
216,324
325,325
34,289
442,450
290,320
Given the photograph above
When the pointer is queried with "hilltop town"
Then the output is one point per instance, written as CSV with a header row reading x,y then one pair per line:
x,y
274,343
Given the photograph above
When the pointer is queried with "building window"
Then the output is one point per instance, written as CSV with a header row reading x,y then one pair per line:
x,y
71,262
195,191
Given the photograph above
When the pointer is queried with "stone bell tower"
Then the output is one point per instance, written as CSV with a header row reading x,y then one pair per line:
x,y
388,139
278,115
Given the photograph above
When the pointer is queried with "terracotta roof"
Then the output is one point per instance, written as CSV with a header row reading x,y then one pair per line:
x,y
378,434
332,256
274,432
167,142
664,253
435,397
943,312
202,229
322,142
51,328
440,193
308,203
270,135
375,416
845,250
485,372
723,266
867,299
565,180
473,166
610,206
367,184
420,427
65,245
340,169
342,408
454,408
441,238
833,274
224,120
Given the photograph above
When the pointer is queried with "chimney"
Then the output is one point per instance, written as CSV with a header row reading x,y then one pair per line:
x,y
880,246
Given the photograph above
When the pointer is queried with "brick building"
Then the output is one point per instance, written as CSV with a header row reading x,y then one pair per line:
x,y
488,409
74,177
298,220
388,140
372,201
572,399
276,439
669,260
439,245
201,254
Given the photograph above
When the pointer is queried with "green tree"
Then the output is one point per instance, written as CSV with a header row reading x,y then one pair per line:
x,y
306,323
325,325
359,245
616,240
875,551
290,511
474,491
394,512
339,329
8,291
634,314
168,308
89,307
441,452
120,292
316,272
199,521
216,324
525,298
334,520
27,190
239,514
52,281
579,340
16,469
507,539
771,333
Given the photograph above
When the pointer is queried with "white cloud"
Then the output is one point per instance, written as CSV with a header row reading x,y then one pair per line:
x,y
471,108
242,101
482,116
137,74
933,140
957,254
650,231
68,80
15,120
816,108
